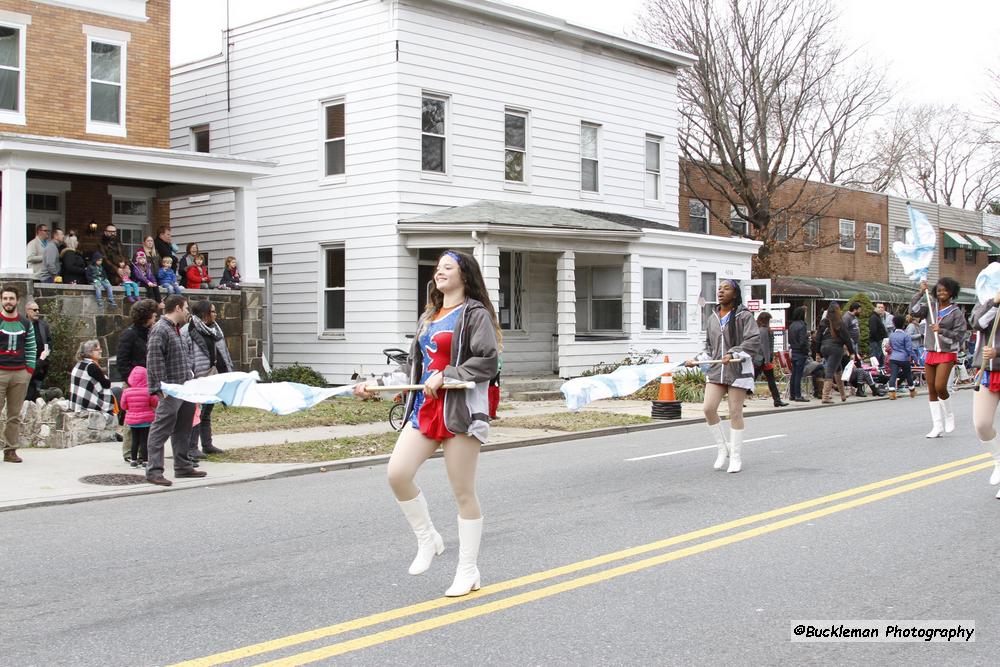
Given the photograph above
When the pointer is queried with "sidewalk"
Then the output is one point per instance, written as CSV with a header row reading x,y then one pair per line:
x,y
53,476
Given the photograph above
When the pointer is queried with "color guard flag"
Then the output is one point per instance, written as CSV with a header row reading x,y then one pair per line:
x,y
916,253
243,390
988,282
622,382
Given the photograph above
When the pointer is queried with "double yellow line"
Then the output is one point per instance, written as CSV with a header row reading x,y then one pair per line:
x,y
876,491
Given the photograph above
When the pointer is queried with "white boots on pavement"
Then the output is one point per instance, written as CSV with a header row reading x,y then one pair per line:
x,y
994,447
429,541
470,533
949,416
937,417
429,544
731,448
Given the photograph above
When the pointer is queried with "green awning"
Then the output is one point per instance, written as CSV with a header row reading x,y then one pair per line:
x,y
956,240
979,243
829,289
994,247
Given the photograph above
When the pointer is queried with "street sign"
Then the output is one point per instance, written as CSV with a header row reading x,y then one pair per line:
x,y
753,304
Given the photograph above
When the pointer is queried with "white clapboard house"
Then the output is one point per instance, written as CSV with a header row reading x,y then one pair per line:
x,y
404,127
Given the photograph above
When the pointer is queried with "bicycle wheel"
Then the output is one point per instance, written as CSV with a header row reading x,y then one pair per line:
x,y
396,414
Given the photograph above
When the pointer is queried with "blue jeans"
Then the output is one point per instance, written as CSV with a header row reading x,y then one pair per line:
x,y
798,369
900,369
98,286
877,352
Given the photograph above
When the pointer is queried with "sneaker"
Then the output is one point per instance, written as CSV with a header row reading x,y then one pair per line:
x,y
159,481
134,463
190,473
211,449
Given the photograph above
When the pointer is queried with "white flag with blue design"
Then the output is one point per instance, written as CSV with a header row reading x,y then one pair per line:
x,y
244,390
622,382
916,253
988,282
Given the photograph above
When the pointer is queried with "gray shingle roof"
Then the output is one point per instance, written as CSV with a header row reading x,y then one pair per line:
x,y
520,215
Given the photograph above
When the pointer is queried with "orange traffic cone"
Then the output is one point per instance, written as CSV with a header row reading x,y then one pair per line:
x,y
666,392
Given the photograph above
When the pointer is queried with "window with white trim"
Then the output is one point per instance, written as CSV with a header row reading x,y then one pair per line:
x,y
708,298
105,86
333,288
899,234
510,309
333,138
433,134
846,234
676,300
652,299
515,132
873,237
12,53
653,168
738,224
590,168
201,139
599,301
810,231
697,216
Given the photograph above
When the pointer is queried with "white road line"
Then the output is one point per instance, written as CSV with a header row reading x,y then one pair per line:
x,y
698,449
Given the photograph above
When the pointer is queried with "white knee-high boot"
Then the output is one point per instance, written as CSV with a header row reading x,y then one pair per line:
x,y
429,541
949,416
470,533
994,447
937,417
735,450
720,441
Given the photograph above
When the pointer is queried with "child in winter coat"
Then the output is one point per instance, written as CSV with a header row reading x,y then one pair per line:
x,y
197,274
167,278
130,286
140,408
230,276
99,279
142,273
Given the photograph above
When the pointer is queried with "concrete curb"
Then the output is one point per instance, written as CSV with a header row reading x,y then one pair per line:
x,y
381,459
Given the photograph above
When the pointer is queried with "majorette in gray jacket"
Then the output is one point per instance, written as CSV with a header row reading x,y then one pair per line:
x,y
982,320
952,326
741,335
474,358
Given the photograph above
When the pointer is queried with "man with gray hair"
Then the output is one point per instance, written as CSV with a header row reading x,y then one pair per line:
x,y
43,343
51,266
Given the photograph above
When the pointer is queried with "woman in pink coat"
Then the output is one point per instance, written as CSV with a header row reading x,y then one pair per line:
x,y
140,408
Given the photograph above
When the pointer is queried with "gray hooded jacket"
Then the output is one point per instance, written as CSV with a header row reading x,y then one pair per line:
x,y
982,320
952,327
740,335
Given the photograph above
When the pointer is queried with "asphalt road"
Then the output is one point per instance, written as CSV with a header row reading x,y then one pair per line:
x,y
165,578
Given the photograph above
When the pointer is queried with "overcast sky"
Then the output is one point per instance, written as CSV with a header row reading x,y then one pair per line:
x,y
938,52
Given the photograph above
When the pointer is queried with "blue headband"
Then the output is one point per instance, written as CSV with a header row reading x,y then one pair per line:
x,y
454,256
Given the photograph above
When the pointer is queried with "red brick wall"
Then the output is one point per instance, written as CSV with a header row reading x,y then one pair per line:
x,y
56,73
827,260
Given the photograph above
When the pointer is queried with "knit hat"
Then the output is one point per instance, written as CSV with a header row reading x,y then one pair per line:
x,y
140,253
96,256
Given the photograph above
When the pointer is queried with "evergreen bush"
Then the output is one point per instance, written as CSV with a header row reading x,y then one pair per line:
x,y
297,373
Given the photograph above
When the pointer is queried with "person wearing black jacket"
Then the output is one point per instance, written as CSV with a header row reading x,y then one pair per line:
x,y
74,267
767,358
798,343
877,333
132,353
43,341
833,336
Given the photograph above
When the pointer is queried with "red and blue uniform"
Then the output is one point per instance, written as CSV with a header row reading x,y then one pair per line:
x,y
435,346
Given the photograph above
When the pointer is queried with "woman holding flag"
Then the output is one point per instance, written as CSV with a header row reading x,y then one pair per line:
x,y
946,327
458,339
732,336
986,399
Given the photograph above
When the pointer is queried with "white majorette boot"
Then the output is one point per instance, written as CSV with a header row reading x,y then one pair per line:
x,y
470,532
937,417
735,450
720,441
994,447
949,416
429,541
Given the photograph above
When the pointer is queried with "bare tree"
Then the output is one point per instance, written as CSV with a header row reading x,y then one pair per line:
x,y
753,120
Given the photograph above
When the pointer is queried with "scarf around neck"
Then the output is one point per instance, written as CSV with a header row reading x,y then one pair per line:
x,y
215,331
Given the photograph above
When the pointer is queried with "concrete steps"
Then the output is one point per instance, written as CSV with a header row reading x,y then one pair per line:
x,y
531,388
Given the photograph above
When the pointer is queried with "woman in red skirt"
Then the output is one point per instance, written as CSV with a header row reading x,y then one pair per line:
x,y
946,327
985,401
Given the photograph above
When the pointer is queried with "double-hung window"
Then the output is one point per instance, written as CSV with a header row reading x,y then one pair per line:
x,y
106,80
697,216
433,134
652,299
515,126
709,297
590,172
201,139
873,238
333,288
599,298
333,138
12,53
810,231
676,300
846,234
737,222
653,168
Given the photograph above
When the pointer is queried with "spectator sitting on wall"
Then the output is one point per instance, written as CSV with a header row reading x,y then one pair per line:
x,y
43,345
167,278
197,274
149,247
99,279
185,263
36,249
145,276
74,267
230,275
164,244
51,266
113,251
89,387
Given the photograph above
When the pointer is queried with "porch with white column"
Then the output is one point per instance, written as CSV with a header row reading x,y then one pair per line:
x,y
565,303
13,223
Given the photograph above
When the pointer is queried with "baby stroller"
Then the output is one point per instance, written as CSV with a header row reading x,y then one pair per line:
x,y
865,375
401,358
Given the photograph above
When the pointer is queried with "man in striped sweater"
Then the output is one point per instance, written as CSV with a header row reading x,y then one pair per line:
x,y
17,363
